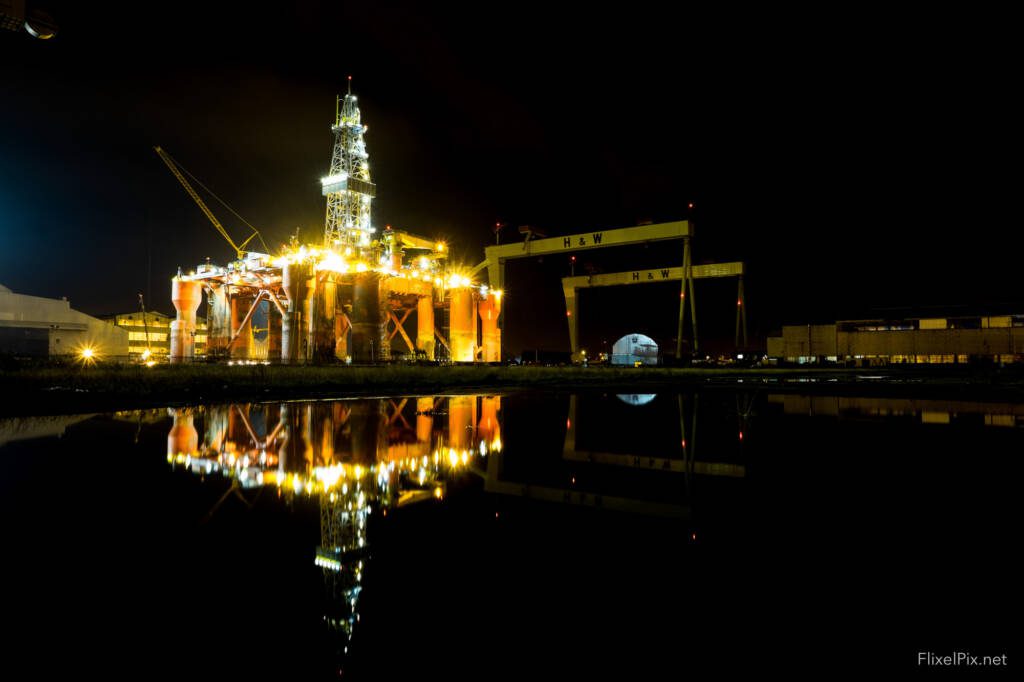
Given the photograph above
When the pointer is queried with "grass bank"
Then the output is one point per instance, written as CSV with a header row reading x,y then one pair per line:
x,y
68,389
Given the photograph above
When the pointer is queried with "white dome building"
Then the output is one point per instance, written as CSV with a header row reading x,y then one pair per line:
x,y
634,348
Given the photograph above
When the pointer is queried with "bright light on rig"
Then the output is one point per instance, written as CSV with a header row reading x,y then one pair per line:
x,y
332,262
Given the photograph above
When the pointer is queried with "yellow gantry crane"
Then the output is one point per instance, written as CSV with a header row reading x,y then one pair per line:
x,y
239,248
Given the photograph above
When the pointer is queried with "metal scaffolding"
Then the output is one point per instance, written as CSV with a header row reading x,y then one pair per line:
x,y
347,186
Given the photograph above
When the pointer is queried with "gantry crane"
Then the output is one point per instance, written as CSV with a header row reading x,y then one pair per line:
x,y
239,248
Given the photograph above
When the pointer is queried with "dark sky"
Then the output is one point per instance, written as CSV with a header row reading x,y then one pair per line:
x,y
858,162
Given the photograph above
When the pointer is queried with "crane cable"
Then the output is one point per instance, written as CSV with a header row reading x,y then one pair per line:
x,y
224,204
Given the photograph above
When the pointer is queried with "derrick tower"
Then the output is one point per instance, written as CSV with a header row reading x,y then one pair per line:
x,y
347,186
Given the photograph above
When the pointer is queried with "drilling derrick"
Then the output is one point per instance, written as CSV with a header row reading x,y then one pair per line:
x,y
347,186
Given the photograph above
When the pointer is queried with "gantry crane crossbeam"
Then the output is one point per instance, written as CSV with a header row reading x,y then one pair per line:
x,y
494,256
710,270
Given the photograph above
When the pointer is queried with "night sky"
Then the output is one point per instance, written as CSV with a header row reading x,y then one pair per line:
x,y
861,164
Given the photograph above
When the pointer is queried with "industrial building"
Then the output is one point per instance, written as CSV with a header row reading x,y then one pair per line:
x,y
345,299
946,340
150,331
33,326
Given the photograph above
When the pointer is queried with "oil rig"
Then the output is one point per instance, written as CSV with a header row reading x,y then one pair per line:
x,y
345,299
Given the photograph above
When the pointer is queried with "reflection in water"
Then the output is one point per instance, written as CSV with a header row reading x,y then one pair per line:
x,y
352,456
359,456
929,411
636,398
356,458
547,579
686,464
26,428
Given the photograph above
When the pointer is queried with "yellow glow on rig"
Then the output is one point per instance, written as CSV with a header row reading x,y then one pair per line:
x,y
329,476
440,247
456,280
332,262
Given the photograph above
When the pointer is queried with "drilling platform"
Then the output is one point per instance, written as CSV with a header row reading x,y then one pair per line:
x,y
345,299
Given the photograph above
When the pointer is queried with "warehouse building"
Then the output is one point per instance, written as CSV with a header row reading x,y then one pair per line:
x,y
32,326
945,340
150,331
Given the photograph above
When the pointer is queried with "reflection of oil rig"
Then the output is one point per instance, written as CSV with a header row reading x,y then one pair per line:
x,y
352,456
345,299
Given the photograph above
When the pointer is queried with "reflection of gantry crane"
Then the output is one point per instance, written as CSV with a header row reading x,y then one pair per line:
x,y
239,248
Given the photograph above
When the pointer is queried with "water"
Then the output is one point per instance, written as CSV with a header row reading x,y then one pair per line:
x,y
529,535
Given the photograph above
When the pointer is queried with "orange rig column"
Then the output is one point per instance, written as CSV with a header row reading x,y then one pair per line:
x,y
186,296
461,420
218,320
182,439
322,318
369,431
425,421
489,428
369,343
425,325
242,348
215,420
294,450
462,325
294,277
490,310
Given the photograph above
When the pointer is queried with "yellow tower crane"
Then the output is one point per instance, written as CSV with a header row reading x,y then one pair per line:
x,y
239,248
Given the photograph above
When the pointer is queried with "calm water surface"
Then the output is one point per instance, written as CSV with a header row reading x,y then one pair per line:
x,y
532,535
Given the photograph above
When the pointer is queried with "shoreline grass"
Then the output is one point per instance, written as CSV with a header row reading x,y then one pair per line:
x,y
61,390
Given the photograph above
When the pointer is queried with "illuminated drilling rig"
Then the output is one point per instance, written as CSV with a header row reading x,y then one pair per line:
x,y
345,299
